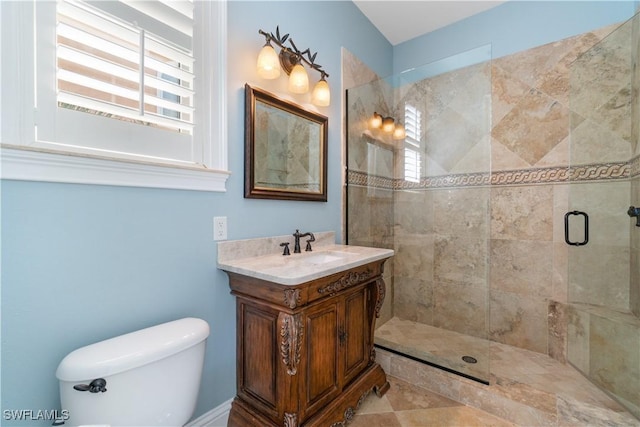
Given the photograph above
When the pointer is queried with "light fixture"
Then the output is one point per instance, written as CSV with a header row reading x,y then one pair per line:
x,y
321,95
293,62
298,80
376,121
399,132
387,125
268,62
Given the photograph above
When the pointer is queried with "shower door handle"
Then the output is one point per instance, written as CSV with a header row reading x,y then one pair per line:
x,y
586,228
634,212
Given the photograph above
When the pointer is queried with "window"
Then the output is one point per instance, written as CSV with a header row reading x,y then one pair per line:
x,y
116,85
413,129
111,66
411,165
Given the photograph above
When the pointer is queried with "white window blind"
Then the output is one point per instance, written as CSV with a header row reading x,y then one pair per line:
x,y
411,165
412,124
112,67
413,129
118,79
172,135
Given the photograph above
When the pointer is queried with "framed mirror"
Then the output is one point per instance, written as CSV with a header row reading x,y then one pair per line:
x,y
285,149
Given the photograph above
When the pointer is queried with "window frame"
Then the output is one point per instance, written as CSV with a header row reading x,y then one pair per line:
x,y
24,157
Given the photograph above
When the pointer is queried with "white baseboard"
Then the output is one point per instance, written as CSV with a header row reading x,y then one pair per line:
x,y
217,417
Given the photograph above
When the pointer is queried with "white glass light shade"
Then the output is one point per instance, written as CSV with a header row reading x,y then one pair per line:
x,y
387,124
321,95
399,132
376,121
268,63
298,80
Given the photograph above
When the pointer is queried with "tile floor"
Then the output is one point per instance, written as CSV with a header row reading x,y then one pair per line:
x,y
406,405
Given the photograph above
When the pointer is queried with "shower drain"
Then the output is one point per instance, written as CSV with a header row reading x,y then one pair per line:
x,y
469,359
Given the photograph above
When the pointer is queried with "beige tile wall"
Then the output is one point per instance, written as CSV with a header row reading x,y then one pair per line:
x,y
480,240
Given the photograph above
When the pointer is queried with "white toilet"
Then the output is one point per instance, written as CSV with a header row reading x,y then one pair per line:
x,y
146,378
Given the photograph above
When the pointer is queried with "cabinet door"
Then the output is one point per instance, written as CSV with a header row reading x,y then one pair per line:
x,y
257,362
353,334
321,374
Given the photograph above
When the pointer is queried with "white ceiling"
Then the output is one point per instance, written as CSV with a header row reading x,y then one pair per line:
x,y
402,20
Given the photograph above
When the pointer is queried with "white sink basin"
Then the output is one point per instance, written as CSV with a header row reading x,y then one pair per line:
x,y
323,258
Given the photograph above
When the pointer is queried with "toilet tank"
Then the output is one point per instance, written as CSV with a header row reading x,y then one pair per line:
x,y
152,377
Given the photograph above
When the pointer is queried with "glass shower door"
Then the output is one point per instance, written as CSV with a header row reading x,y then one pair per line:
x,y
427,196
602,242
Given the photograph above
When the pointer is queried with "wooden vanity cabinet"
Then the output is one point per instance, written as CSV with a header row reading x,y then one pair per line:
x,y
305,353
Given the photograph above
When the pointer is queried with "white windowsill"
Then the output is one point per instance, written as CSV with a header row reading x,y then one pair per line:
x,y
27,164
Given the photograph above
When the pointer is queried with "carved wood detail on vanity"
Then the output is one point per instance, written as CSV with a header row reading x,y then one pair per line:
x,y
305,354
346,281
291,333
290,420
349,413
291,298
380,294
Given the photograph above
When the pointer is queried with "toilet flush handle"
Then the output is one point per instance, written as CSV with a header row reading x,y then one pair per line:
x,y
99,385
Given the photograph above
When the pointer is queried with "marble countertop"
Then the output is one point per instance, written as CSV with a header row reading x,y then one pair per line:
x,y
306,266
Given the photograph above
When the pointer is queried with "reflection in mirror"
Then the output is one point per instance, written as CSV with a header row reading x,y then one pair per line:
x,y
285,142
285,149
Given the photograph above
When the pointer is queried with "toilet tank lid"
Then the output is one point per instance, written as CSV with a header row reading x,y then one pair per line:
x,y
132,350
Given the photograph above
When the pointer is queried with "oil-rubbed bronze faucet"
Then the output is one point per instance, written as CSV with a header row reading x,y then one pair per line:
x,y
296,246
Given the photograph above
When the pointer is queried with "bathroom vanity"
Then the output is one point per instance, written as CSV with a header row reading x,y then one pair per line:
x,y
305,326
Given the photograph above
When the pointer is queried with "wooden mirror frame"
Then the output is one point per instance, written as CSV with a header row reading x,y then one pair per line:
x,y
317,125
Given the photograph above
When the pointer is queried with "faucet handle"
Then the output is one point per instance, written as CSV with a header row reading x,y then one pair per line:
x,y
286,248
312,238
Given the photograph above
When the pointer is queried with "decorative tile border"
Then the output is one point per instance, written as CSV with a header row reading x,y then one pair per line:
x,y
582,173
531,176
366,180
635,167
455,180
601,171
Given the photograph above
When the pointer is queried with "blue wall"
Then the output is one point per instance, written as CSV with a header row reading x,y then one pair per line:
x,y
82,263
511,27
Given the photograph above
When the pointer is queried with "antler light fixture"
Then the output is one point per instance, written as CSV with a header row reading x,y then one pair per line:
x,y
291,60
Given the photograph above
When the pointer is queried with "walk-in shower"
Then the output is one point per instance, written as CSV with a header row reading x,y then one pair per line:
x,y
504,163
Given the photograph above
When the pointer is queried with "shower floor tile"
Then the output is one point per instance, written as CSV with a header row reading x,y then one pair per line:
x,y
525,388
435,345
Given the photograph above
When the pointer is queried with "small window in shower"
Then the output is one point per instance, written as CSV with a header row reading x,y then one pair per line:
x,y
411,165
412,121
